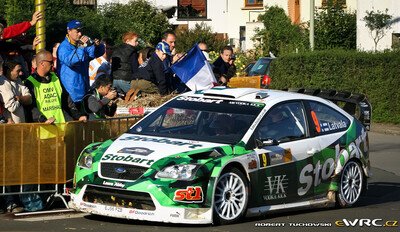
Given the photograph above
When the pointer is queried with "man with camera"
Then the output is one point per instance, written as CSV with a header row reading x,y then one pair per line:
x,y
98,103
73,57
224,67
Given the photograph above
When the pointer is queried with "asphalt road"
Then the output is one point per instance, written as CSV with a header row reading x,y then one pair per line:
x,y
381,205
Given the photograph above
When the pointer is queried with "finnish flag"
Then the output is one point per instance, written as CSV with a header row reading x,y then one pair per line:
x,y
194,70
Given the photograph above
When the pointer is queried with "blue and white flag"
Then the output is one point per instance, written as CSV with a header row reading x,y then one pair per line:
x,y
194,70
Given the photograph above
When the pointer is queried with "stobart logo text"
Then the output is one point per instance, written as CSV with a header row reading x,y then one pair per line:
x,y
128,158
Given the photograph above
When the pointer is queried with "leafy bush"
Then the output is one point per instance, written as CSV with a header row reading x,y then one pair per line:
x,y
279,34
200,33
376,75
335,28
138,16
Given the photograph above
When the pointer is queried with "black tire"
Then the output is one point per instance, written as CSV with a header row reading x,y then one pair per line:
x,y
230,202
351,184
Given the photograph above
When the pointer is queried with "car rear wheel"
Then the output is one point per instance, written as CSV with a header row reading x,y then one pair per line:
x,y
351,184
230,197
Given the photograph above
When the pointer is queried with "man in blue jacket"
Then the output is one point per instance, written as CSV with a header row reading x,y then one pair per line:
x,y
73,57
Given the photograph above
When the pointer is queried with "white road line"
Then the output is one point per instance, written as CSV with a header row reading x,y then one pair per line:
x,y
52,217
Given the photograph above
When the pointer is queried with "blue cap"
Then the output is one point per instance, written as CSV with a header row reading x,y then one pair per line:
x,y
74,24
164,47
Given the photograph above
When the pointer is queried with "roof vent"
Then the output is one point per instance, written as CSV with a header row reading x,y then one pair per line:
x,y
262,95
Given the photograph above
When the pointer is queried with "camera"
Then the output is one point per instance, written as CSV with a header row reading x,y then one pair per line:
x,y
233,57
88,43
119,95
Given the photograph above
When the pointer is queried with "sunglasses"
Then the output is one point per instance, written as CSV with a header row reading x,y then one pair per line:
x,y
50,61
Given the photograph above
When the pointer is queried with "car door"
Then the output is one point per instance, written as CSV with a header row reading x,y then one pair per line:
x,y
328,126
287,149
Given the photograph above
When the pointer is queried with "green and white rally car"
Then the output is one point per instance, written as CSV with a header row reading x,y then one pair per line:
x,y
218,155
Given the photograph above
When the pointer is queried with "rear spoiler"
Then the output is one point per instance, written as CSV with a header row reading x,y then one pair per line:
x,y
353,103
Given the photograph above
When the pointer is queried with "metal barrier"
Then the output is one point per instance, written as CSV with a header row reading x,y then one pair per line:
x,y
45,155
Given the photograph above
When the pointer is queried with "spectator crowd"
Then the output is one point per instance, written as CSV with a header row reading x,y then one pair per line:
x,y
81,78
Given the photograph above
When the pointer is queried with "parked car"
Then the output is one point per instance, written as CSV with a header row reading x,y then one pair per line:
x,y
217,155
262,67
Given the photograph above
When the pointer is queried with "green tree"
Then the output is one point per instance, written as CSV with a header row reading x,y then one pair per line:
x,y
279,35
200,33
377,22
111,20
138,16
17,11
335,28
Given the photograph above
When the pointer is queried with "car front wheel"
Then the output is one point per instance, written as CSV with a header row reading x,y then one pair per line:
x,y
230,198
351,184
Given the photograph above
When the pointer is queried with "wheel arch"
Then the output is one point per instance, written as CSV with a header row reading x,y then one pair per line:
x,y
234,164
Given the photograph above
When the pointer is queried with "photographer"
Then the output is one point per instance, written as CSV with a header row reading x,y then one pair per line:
x,y
98,103
73,57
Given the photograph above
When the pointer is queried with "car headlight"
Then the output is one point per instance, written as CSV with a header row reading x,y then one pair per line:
x,y
85,161
179,172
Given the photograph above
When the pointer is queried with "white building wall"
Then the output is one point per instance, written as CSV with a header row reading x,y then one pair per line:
x,y
364,39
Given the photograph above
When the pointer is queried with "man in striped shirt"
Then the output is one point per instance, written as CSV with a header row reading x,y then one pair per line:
x,y
102,64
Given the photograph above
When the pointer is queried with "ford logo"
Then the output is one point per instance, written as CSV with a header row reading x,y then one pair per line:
x,y
120,170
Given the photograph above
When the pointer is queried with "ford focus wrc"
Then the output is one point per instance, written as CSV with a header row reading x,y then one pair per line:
x,y
217,155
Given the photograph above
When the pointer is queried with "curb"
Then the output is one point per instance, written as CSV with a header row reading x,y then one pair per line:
x,y
383,128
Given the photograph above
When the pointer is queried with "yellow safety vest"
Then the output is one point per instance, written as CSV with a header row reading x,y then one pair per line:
x,y
48,97
48,101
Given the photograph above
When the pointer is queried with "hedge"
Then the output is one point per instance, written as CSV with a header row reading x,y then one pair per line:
x,y
376,75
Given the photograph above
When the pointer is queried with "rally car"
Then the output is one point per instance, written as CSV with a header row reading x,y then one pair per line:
x,y
218,155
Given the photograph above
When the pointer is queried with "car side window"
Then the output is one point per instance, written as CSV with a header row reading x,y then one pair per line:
x,y
284,122
327,120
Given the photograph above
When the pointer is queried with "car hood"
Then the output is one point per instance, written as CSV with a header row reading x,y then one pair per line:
x,y
143,150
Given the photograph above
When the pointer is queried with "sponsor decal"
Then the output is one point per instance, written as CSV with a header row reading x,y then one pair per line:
x,y
189,195
115,184
112,208
126,158
287,157
136,151
197,99
84,204
332,126
253,164
366,222
255,104
311,175
263,160
353,150
166,141
140,212
276,157
275,187
175,215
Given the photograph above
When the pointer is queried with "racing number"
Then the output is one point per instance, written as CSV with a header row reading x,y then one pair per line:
x,y
264,160
316,122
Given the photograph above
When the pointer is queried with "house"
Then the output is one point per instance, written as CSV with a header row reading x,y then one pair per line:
x,y
392,35
237,20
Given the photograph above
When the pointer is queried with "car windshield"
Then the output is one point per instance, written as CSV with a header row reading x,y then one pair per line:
x,y
261,67
200,119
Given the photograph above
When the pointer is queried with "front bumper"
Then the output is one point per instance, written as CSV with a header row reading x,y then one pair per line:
x,y
148,209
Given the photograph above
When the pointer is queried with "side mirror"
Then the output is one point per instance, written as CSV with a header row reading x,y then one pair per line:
x,y
266,142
